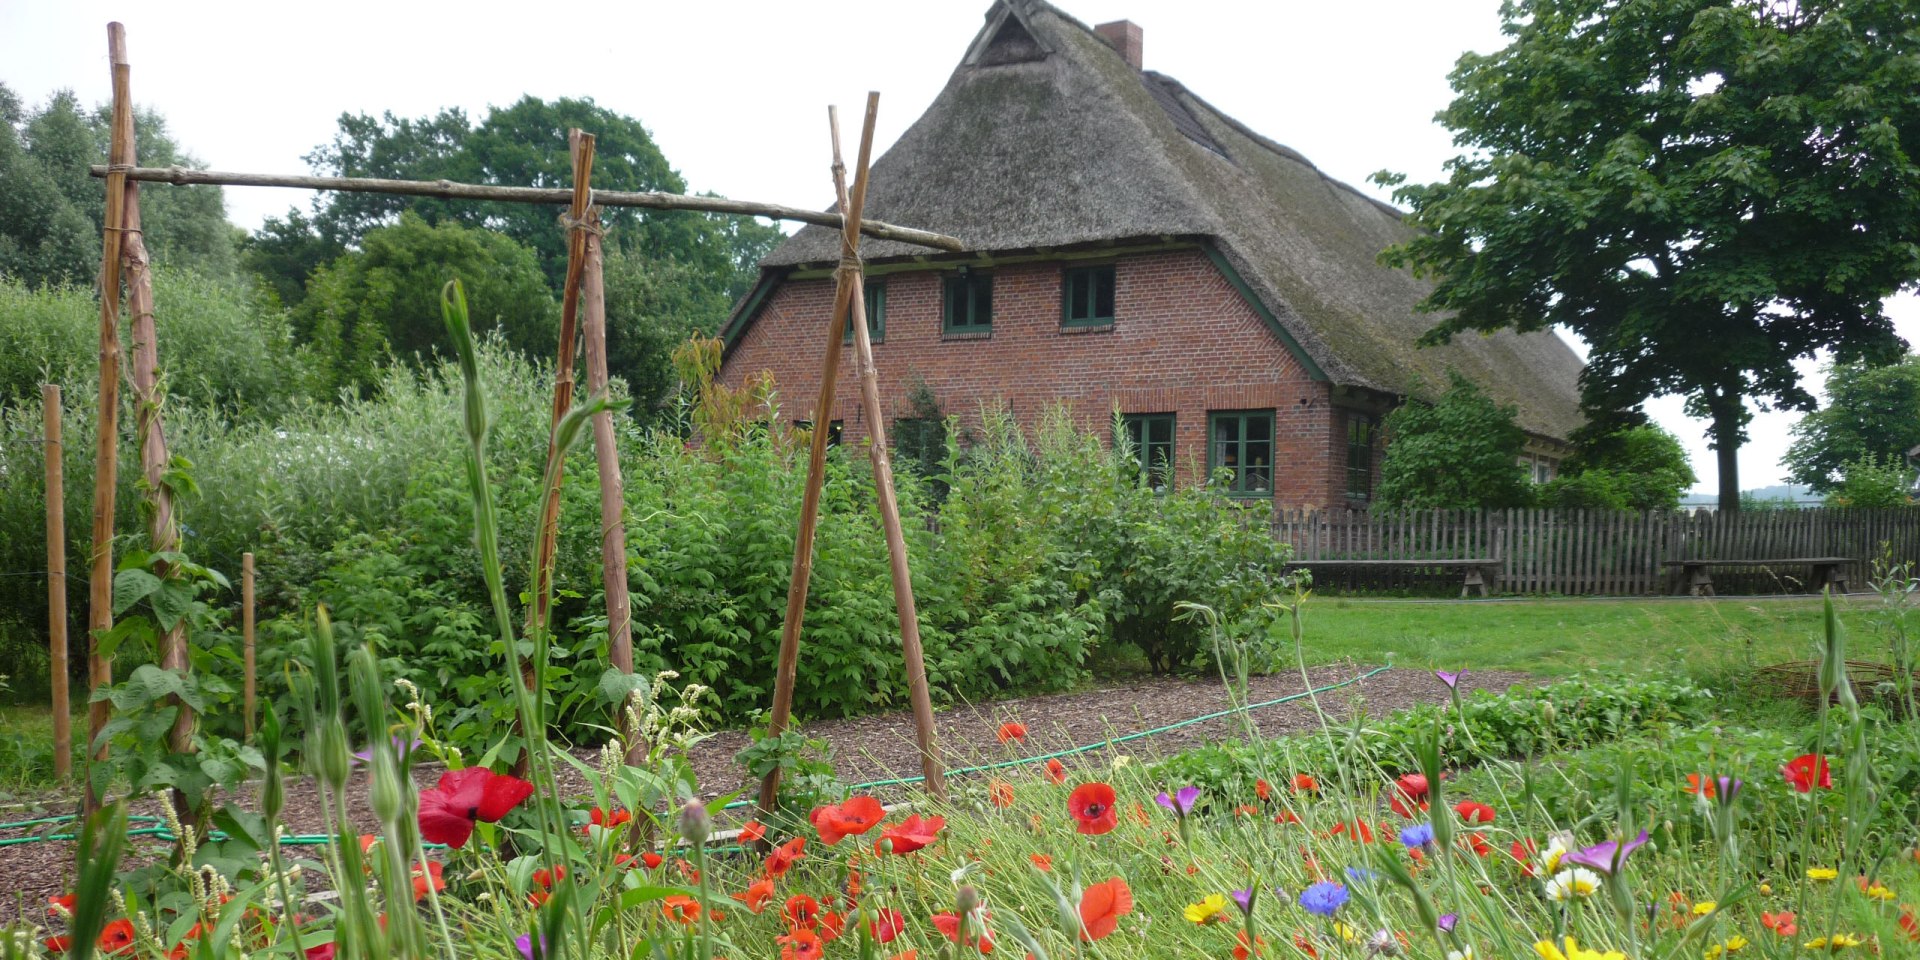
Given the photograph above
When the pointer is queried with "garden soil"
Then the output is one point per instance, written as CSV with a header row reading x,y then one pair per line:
x,y
875,747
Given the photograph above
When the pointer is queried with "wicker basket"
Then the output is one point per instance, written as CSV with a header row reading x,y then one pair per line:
x,y
1800,679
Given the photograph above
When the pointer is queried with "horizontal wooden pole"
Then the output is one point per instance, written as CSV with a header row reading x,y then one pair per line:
x,y
449,190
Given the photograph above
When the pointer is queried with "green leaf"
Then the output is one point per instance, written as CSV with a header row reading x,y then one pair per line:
x,y
131,587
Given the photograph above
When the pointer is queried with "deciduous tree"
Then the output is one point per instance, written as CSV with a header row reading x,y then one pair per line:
x,y
1871,411
1461,450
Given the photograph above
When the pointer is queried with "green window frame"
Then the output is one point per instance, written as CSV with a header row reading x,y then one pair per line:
x,y
967,303
1151,437
1242,441
1360,436
1087,296
876,298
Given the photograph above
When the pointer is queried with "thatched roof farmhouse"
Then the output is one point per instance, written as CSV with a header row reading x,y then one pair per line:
x,y
1133,248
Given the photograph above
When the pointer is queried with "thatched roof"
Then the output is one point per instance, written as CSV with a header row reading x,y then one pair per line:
x,y
1046,137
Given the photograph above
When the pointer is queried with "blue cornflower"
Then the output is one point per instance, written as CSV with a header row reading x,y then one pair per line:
x,y
1417,835
1361,875
1323,898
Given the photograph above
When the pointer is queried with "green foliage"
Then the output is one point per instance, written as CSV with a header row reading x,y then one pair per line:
x,y
223,347
1635,468
653,306
1461,450
52,210
380,301
1521,723
1873,482
1704,192
1870,410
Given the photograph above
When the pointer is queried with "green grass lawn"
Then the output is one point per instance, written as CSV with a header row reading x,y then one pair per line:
x,y
1700,637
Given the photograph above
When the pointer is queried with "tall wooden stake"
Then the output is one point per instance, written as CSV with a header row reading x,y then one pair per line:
x,y
851,275
57,580
606,454
250,681
149,427
107,424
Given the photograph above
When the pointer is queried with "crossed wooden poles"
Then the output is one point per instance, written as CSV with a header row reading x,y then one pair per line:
x,y
583,318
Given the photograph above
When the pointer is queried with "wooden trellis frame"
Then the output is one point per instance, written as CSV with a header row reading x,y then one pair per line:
x,y
123,255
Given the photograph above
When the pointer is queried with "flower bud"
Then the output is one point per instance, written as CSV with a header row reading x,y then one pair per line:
x,y
694,822
330,756
384,795
966,900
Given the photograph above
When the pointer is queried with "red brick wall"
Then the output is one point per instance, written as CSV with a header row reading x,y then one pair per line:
x,y
1183,342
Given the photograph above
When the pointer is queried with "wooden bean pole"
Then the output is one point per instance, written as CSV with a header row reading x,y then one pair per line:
x,y
851,275
52,451
250,680
107,423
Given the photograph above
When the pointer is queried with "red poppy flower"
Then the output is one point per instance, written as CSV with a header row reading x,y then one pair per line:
x,y
58,944
1700,784
756,895
1092,807
602,818
783,856
753,831
910,834
1357,830
1041,862
800,945
1263,790
431,878
1305,783
1807,770
1523,852
949,925
1783,923
547,878
1413,785
321,952
801,911
1102,906
1011,731
1000,793
1286,816
683,909
1056,771
116,937
1240,946
652,860
464,797
1910,925
831,923
855,816
61,904
887,923
1473,811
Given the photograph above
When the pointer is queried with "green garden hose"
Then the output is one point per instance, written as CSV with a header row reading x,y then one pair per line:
x,y
319,839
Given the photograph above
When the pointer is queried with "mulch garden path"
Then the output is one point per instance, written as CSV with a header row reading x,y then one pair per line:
x,y
875,747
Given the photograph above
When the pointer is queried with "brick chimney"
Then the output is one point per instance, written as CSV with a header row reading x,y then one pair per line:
x,y
1124,36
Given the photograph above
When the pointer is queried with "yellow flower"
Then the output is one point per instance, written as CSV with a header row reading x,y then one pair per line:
x,y
1704,907
1575,884
1877,891
1839,941
1347,933
1822,874
1733,944
1547,951
1766,888
1211,906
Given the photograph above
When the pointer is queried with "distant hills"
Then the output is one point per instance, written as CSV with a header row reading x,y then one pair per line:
x,y
1779,491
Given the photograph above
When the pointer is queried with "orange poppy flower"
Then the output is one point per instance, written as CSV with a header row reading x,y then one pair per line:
x,y
1700,784
652,860
753,831
681,908
1011,731
783,856
800,945
949,926
116,937
1262,789
1245,810
1909,924
756,895
1102,906
1783,923
1305,783
1240,947
910,834
1287,816
431,878
609,820
547,878
1056,771
801,912
1041,862
854,816
1358,830
62,904
1000,793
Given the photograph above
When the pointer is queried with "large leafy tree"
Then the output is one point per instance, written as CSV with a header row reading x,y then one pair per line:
x,y
1457,451
381,301
1703,190
1635,468
1871,412
52,210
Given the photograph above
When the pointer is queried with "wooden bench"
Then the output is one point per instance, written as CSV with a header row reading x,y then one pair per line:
x,y
1475,571
1693,575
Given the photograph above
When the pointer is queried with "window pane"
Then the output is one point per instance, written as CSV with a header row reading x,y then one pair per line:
x,y
1161,430
1102,283
982,301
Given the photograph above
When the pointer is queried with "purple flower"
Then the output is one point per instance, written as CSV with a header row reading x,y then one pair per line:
x,y
1448,921
1323,898
401,747
1452,680
1244,898
525,943
1361,875
1728,787
1181,803
1606,857
1417,836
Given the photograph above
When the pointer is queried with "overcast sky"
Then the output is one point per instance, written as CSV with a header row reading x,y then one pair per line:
x,y
735,94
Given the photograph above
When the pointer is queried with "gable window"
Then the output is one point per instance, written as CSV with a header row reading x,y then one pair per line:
x,y
1360,429
1150,437
876,314
968,300
1086,295
1242,442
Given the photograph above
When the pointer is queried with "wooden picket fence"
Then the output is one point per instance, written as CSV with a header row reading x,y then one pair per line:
x,y
1595,552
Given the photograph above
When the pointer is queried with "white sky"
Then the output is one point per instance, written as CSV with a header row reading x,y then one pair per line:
x,y
735,93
